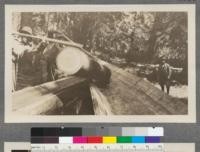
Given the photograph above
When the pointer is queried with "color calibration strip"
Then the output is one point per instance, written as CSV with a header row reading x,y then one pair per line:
x,y
98,131
110,135
97,139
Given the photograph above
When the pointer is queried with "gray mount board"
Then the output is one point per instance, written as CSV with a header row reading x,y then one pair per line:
x,y
176,132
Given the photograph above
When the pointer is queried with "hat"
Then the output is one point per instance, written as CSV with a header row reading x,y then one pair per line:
x,y
26,29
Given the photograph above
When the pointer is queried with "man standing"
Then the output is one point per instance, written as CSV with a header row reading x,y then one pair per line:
x,y
21,45
164,75
26,60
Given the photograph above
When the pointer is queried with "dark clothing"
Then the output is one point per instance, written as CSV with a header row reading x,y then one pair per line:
x,y
28,66
164,76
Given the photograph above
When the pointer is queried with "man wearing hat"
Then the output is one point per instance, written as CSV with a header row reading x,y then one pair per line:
x,y
164,75
21,44
26,60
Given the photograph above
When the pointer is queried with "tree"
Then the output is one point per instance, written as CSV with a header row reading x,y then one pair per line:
x,y
135,36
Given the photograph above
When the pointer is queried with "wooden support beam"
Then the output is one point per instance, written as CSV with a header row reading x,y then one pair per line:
x,y
69,43
69,95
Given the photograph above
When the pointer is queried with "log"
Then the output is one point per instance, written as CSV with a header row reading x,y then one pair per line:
x,y
58,97
74,59
71,59
68,43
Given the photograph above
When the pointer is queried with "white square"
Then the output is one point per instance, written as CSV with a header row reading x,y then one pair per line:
x,y
65,140
155,131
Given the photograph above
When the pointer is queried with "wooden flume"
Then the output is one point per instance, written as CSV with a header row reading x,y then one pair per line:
x,y
57,97
127,93
71,59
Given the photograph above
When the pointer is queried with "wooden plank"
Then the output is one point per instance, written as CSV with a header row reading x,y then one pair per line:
x,y
20,97
129,94
40,105
69,43
49,97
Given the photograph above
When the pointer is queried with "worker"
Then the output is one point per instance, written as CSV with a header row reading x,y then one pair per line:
x,y
164,75
26,70
21,44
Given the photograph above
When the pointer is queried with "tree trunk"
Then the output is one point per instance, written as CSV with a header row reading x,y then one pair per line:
x,y
16,20
152,40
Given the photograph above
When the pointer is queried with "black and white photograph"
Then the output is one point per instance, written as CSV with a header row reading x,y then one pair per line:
x,y
89,63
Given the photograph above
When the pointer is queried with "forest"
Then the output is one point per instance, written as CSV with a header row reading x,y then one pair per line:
x,y
124,38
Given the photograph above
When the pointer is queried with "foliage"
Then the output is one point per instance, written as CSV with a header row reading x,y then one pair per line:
x,y
134,36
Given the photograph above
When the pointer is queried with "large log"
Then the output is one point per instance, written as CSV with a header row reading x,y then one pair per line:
x,y
69,95
73,59
70,60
